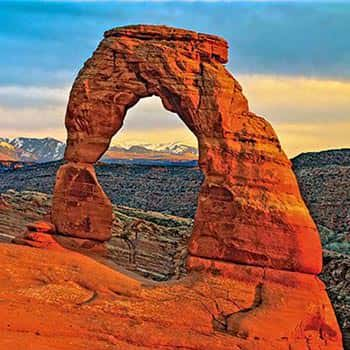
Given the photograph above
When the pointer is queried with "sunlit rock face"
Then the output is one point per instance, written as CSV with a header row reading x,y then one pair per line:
x,y
250,210
81,208
58,299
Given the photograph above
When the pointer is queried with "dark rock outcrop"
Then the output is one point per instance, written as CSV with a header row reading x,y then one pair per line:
x,y
324,179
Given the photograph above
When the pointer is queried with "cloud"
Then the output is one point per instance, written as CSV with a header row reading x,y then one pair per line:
x,y
17,97
149,122
306,137
149,114
180,134
32,111
308,114
286,99
46,43
32,119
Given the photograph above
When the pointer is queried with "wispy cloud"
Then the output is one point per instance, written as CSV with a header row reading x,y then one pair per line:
x,y
305,137
32,111
308,114
45,44
18,97
297,99
291,58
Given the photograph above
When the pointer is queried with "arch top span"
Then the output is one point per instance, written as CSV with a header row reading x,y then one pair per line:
x,y
184,68
250,210
207,45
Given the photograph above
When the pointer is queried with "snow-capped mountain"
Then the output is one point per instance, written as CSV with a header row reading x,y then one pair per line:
x,y
151,153
170,148
25,149
7,151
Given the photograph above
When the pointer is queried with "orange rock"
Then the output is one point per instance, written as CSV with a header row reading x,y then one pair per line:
x,y
63,300
38,240
56,242
3,204
80,207
250,210
42,226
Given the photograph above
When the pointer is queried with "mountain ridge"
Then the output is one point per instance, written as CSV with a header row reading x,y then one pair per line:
x,y
23,151
48,149
27,149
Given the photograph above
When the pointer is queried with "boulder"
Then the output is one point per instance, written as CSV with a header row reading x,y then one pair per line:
x,y
80,207
41,226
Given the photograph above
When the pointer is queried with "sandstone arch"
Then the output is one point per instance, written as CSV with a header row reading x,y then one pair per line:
x,y
250,210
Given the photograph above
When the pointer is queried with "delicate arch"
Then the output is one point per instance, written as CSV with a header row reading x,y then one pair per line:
x,y
249,210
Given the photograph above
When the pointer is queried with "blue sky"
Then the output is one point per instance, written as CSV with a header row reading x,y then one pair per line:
x,y
300,48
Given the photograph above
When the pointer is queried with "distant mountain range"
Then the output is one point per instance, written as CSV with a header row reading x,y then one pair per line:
x,y
23,149
151,153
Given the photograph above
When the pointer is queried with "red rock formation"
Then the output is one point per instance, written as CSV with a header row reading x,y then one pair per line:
x,y
41,226
80,207
250,210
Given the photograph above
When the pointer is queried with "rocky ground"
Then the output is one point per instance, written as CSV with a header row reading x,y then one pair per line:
x,y
324,182
336,275
149,243
63,300
167,189
153,245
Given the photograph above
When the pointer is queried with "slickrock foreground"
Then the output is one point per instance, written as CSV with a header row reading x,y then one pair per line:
x,y
64,300
159,245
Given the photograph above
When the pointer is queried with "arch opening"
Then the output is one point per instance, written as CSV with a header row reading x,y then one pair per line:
x,y
150,173
148,124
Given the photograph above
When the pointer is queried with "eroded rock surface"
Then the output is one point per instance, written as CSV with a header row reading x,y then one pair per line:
x,y
87,201
158,242
250,210
63,300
